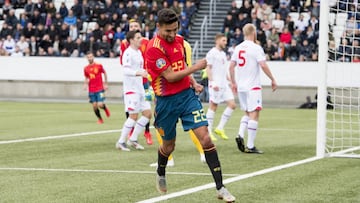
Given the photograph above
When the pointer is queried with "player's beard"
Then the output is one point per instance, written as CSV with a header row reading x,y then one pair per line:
x,y
170,39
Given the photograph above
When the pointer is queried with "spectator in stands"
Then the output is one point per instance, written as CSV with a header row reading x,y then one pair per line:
x,y
63,32
57,21
314,23
151,22
40,32
17,32
67,47
234,11
40,6
301,23
154,8
266,12
97,33
289,24
176,7
281,52
110,7
295,6
297,36
17,52
80,48
241,21
22,44
76,9
11,19
104,48
9,45
63,10
119,34
278,23
229,22
115,20
189,9
314,9
310,35
130,9
184,26
269,50
255,20
52,32
23,19
305,51
285,37
274,36
246,9
29,8
36,18
85,11
73,32
50,9
293,51
109,33
103,20
28,31
48,20
33,46
116,47
147,33
45,43
266,26
261,37
237,37
350,26
283,10
70,19
120,10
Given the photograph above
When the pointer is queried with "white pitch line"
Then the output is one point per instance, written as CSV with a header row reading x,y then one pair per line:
x,y
229,180
58,136
105,171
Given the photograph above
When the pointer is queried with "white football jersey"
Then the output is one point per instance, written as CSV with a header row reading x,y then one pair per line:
x,y
133,59
217,59
247,56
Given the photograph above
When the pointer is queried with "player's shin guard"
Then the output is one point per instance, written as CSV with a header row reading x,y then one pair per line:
x,y
213,162
162,161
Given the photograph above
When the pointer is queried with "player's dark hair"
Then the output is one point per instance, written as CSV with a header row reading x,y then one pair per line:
x,y
131,34
167,16
89,52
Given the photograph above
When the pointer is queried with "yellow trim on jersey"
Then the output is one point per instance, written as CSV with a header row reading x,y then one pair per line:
x,y
188,51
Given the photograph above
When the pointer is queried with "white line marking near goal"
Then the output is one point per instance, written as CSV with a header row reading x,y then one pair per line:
x,y
106,171
59,136
229,180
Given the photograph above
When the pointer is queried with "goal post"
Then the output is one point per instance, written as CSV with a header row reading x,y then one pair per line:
x,y
338,127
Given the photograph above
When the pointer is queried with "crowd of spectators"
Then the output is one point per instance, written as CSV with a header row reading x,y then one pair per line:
x,y
286,39
86,25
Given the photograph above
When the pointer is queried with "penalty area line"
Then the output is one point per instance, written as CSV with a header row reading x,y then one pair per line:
x,y
59,136
105,171
229,180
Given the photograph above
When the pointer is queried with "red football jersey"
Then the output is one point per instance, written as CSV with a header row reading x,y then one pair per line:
x,y
94,73
125,44
161,54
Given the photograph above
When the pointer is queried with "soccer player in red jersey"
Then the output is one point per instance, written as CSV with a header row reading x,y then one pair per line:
x,y
176,99
94,73
134,26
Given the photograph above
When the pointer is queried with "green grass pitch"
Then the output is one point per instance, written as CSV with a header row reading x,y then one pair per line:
x,y
90,169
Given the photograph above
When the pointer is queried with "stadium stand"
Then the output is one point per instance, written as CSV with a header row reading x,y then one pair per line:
x,y
91,19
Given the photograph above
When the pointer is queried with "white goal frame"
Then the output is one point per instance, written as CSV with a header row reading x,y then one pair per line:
x,y
322,91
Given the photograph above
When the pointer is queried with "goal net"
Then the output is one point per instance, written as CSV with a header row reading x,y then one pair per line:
x,y
339,91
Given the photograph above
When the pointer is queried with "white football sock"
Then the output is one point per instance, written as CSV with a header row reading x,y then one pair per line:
x,y
225,117
127,127
210,118
252,128
243,126
139,127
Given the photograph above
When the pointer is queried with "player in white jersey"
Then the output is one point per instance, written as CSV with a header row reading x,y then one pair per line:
x,y
219,89
134,93
247,59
